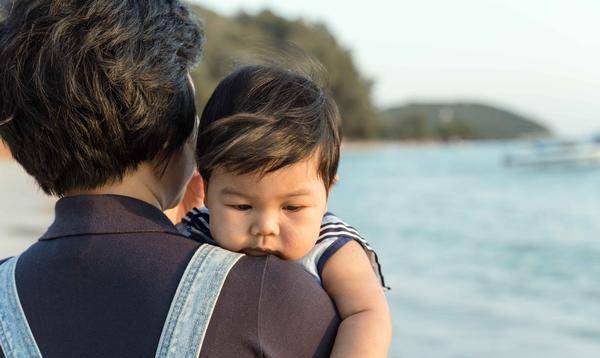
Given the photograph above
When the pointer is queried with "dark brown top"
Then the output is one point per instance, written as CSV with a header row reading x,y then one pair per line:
x,y
99,283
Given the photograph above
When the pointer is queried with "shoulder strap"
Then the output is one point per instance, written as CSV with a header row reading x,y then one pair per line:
x,y
194,302
16,338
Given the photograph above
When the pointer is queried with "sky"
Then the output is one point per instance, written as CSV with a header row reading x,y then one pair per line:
x,y
539,58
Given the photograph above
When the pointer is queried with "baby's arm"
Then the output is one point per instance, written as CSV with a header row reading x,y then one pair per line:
x,y
366,329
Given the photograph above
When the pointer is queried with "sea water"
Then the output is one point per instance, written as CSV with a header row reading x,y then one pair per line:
x,y
483,260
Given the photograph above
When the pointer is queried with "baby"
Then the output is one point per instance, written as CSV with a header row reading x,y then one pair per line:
x,y
268,152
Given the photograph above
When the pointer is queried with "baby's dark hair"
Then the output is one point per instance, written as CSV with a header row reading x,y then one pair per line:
x,y
263,118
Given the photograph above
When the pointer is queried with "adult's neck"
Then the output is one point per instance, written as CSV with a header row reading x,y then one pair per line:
x,y
142,184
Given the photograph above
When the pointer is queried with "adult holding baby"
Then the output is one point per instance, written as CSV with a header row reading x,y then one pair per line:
x,y
97,105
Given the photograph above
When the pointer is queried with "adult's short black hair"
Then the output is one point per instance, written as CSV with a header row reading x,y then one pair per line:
x,y
89,89
262,118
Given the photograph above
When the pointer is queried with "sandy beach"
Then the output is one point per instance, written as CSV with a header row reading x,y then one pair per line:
x,y
25,211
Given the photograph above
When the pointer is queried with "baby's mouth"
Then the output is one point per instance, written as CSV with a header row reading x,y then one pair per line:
x,y
260,252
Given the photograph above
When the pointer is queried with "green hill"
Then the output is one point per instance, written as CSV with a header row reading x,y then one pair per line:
x,y
448,121
237,39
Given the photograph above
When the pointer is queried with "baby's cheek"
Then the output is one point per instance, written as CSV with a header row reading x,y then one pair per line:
x,y
297,243
230,241
227,235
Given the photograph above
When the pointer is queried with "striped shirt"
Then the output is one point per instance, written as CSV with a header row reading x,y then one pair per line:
x,y
334,234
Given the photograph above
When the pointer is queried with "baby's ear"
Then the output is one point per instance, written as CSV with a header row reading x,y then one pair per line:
x,y
334,182
336,179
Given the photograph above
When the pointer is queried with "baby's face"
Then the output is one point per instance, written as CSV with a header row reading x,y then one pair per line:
x,y
278,214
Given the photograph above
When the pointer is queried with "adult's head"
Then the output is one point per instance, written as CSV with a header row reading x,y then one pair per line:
x,y
92,90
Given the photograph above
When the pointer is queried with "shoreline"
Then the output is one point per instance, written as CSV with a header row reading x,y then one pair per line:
x,y
378,143
346,144
383,142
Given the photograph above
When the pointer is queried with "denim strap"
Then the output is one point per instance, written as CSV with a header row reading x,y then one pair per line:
x,y
194,302
16,338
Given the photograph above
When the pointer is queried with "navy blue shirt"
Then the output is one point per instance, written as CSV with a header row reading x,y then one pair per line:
x,y
99,283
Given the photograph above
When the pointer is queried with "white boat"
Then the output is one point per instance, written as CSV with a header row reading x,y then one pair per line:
x,y
557,153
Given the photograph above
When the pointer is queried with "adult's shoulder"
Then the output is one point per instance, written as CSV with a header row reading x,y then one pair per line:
x,y
4,260
290,275
297,317
272,308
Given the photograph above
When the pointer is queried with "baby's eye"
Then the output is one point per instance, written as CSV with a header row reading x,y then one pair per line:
x,y
292,208
241,207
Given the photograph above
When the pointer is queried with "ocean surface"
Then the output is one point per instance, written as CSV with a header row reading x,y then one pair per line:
x,y
483,260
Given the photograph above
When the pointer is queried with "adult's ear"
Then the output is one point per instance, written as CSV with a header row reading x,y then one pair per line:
x,y
192,198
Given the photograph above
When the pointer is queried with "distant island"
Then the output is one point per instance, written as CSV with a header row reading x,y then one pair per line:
x,y
456,121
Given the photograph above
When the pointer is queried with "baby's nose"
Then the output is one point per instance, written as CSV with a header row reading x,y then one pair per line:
x,y
265,225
